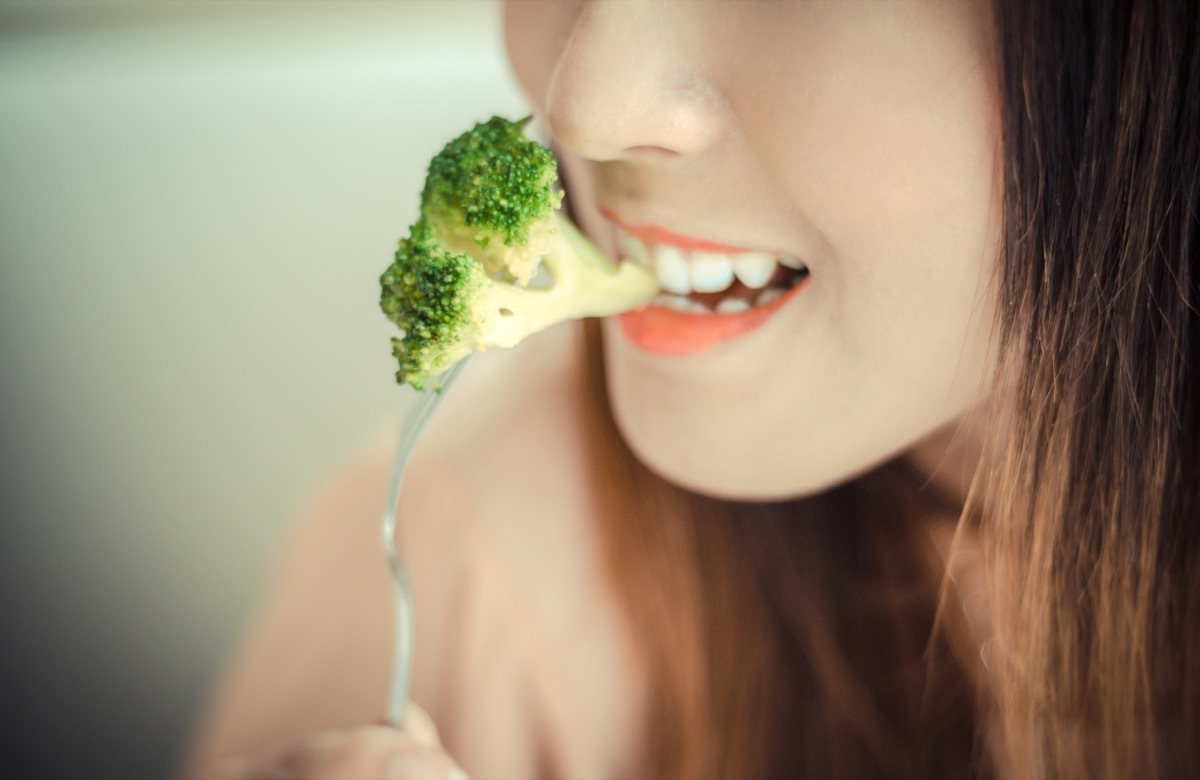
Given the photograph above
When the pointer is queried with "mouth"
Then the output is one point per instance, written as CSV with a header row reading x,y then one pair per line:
x,y
712,292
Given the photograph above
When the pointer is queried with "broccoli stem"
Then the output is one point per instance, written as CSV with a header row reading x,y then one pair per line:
x,y
575,262
586,284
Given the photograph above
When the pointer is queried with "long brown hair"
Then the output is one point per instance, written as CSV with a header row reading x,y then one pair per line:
x,y
786,639
1093,507
805,638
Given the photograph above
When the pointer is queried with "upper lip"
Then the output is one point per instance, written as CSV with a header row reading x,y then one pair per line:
x,y
656,234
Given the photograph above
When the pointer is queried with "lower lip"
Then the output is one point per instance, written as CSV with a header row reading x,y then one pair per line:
x,y
671,333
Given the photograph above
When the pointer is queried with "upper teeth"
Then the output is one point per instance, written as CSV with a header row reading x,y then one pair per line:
x,y
683,272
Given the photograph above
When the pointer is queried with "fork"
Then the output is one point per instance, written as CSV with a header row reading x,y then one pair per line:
x,y
414,423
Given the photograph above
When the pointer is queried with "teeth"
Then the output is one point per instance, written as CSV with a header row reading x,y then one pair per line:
x,y
732,306
672,270
768,295
754,269
711,272
666,301
680,303
683,272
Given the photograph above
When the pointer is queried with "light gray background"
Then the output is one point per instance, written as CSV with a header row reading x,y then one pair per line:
x,y
196,201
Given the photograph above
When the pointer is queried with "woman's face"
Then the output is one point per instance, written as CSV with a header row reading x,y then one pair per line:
x,y
816,185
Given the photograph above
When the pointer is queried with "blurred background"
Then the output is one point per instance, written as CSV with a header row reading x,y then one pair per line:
x,y
196,201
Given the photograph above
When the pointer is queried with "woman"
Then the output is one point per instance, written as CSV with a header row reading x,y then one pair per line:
x,y
926,508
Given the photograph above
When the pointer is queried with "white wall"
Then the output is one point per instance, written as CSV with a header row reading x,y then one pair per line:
x,y
196,201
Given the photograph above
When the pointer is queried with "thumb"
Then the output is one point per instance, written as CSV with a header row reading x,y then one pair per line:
x,y
418,725
347,754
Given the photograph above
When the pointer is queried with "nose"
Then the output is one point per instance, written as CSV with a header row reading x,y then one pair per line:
x,y
630,81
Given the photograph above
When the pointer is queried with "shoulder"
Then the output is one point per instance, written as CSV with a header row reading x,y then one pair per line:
x,y
512,420
521,654
500,478
521,658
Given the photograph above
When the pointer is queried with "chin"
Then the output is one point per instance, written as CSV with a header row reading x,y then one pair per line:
x,y
734,473
691,425
695,424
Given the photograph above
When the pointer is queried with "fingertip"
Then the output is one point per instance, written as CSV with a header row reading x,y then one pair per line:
x,y
422,765
419,725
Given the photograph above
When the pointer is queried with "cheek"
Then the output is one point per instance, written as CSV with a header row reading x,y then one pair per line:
x,y
899,177
883,121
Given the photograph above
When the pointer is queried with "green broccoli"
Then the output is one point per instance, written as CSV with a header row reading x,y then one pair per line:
x,y
489,218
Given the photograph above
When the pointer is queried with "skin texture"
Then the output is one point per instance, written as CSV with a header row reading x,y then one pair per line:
x,y
522,658
860,137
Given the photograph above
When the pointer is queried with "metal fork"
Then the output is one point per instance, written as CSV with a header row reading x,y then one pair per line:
x,y
410,430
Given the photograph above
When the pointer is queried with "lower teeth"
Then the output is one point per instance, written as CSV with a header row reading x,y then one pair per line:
x,y
680,303
768,295
730,305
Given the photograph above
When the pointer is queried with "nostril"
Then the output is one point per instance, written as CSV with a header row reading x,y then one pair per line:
x,y
657,122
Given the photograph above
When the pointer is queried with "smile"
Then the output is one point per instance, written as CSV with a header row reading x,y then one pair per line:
x,y
712,293
709,282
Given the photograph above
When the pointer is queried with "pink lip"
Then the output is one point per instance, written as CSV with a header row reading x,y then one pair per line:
x,y
656,234
670,333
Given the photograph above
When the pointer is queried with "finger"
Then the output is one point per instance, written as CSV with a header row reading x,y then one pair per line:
x,y
350,754
418,725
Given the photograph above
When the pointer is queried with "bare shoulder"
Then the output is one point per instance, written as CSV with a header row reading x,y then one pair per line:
x,y
508,574
502,468
513,415
514,622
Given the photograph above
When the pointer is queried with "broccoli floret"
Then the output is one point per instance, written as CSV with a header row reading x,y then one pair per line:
x,y
489,219
490,193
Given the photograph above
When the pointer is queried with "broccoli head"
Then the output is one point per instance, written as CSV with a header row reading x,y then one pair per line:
x,y
490,192
489,219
